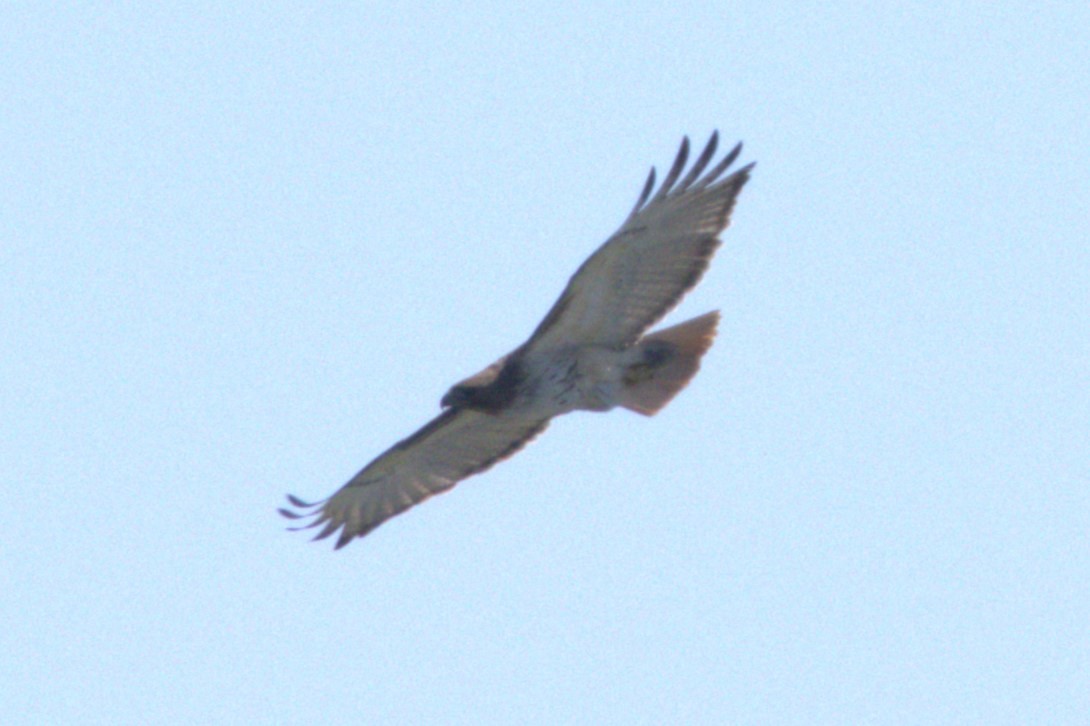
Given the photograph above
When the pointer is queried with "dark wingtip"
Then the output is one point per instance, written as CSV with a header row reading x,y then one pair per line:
x,y
675,171
302,512
742,175
647,187
696,179
721,167
700,164
733,155
297,502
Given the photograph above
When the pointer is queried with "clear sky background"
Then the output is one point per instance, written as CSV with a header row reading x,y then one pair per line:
x,y
245,250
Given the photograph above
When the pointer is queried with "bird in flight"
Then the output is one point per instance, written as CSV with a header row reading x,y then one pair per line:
x,y
589,353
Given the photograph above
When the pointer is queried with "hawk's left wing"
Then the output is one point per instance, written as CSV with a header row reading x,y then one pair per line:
x,y
657,255
454,445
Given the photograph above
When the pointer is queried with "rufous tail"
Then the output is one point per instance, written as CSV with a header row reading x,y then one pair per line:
x,y
664,362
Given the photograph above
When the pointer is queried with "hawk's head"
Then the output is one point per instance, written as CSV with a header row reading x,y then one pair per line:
x,y
459,396
491,390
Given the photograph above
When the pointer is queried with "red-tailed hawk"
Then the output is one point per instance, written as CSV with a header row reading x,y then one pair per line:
x,y
589,353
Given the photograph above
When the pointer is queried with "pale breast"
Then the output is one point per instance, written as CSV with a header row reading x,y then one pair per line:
x,y
580,378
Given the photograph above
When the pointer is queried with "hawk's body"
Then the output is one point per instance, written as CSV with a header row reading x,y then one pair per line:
x,y
587,354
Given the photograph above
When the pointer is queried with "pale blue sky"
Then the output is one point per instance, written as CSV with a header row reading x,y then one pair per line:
x,y
243,251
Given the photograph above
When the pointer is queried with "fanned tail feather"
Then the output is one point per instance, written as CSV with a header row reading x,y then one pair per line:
x,y
664,362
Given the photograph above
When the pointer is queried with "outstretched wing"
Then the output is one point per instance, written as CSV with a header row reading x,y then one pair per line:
x,y
657,255
456,444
